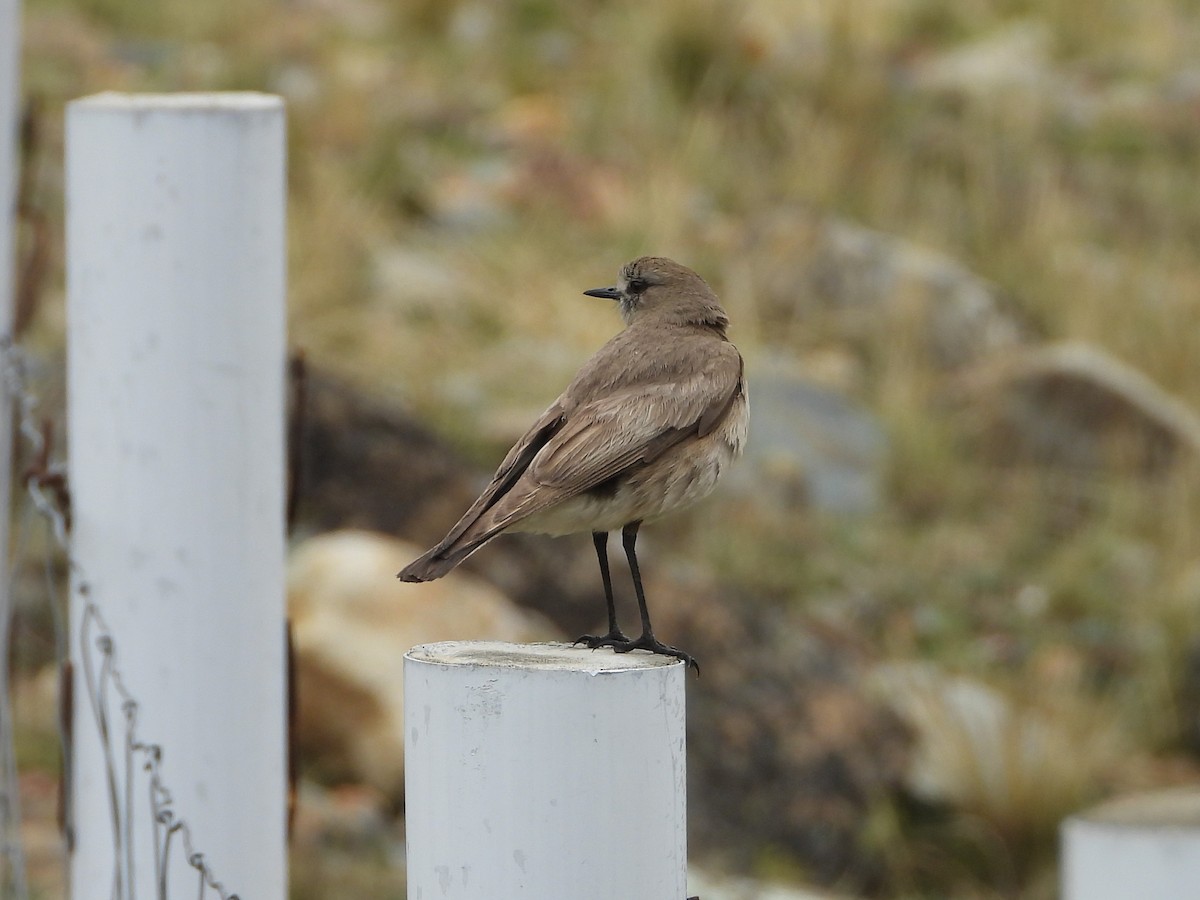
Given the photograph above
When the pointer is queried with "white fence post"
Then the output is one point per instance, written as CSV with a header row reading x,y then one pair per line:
x,y
543,772
176,320
1134,848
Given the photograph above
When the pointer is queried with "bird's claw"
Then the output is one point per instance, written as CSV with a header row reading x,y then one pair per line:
x,y
612,639
622,644
654,645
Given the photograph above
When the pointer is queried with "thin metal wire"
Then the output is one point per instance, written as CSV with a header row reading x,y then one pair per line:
x,y
13,880
103,682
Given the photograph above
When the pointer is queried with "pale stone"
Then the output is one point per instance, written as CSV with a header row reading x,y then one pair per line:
x,y
353,621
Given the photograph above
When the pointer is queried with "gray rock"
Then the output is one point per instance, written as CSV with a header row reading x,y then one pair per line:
x,y
400,272
809,445
990,752
862,285
1074,405
1016,57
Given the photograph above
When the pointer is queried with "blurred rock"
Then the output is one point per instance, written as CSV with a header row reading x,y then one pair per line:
x,y
299,83
532,119
960,726
402,272
871,284
39,745
584,188
40,839
787,753
349,815
1015,57
362,18
1183,87
809,445
473,198
1073,405
528,176
1019,61
346,843
352,623
365,463
997,756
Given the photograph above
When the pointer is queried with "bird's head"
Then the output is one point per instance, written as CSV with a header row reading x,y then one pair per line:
x,y
654,287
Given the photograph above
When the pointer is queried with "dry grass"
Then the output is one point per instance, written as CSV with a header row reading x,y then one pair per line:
x,y
461,170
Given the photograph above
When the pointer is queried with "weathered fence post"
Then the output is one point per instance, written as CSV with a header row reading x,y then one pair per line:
x,y
1134,848
176,319
543,772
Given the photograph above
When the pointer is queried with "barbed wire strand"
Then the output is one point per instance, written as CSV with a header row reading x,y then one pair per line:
x,y
27,522
102,680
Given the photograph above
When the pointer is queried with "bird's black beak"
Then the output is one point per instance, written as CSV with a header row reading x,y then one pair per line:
x,y
607,293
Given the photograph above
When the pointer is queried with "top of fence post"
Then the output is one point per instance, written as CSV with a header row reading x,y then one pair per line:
x,y
214,101
544,771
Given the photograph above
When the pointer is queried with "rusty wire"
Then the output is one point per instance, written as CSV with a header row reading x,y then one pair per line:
x,y
126,752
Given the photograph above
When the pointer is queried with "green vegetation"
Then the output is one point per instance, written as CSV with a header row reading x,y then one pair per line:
x,y
461,170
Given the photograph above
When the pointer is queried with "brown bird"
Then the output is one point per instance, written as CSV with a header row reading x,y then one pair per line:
x,y
646,427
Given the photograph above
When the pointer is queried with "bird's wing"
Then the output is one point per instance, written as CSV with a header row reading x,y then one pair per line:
x,y
513,467
636,424
585,438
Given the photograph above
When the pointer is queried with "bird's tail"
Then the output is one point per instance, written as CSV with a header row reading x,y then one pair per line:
x,y
478,525
440,560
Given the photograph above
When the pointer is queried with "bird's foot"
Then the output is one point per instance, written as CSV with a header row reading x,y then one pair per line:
x,y
649,642
614,639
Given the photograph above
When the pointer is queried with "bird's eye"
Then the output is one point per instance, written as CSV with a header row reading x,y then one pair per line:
x,y
636,285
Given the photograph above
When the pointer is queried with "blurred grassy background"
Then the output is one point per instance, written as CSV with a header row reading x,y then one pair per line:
x,y
460,171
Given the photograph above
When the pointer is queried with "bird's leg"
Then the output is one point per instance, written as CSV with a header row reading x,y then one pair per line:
x,y
614,636
647,641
